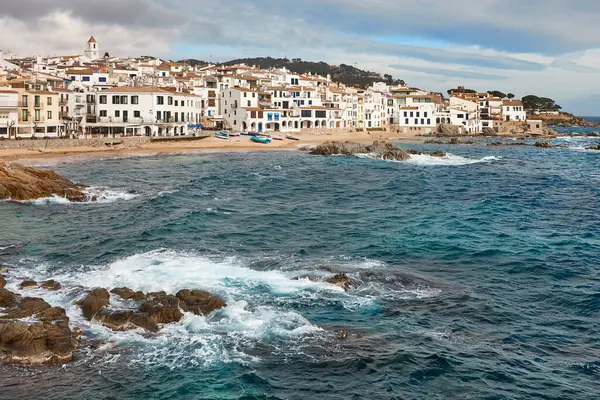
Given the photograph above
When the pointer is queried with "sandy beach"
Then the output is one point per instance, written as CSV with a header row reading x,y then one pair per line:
x,y
240,143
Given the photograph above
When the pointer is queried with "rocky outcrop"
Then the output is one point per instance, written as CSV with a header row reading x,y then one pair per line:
x,y
200,302
342,280
18,182
28,284
547,145
487,131
382,150
50,285
448,130
589,148
2,281
33,333
148,311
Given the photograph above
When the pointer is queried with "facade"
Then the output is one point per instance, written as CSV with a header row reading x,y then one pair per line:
x,y
512,110
92,49
9,113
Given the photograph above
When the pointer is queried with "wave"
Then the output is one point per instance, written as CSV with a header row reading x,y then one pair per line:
x,y
93,195
448,159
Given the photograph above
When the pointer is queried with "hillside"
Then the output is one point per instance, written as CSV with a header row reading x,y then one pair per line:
x,y
342,73
562,119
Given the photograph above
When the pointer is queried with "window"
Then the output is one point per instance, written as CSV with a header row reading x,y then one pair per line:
x,y
49,114
86,78
310,102
234,122
270,117
73,78
176,103
418,114
422,121
245,94
137,114
123,99
102,99
36,101
117,113
460,115
116,100
25,115
321,114
49,102
428,121
36,116
135,100
24,101
160,100
306,113
425,114
253,95
405,114
102,79
182,117
416,121
159,116
103,113
411,114
249,103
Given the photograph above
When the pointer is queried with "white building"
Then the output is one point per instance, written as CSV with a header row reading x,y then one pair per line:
x,y
149,111
5,64
512,110
9,113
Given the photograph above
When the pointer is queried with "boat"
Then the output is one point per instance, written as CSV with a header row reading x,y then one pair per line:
x,y
263,140
292,137
222,135
253,134
277,137
235,134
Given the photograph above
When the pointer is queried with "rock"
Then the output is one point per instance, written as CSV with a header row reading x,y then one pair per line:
x,y
342,280
438,154
93,302
544,144
124,320
28,284
18,182
595,134
50,285
341,335
7,298
128,294
2,282
589,148
200,302
339,148
448,130
3,269
162,308
489,132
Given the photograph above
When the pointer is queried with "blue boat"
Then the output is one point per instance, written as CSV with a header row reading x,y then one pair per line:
x,y
263,140
222,135
253,134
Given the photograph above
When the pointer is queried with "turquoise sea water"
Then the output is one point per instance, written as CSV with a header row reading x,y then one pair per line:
x,y
479,275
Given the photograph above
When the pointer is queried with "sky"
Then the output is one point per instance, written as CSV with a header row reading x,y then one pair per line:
x,y
544,47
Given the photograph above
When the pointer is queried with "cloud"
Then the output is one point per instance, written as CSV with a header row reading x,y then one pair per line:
x,y
527,47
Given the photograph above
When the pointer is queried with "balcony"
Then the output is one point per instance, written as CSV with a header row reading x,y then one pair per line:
x,y
38,104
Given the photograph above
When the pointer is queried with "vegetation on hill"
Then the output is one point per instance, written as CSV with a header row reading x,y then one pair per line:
x,y
342,73
461,89
535,103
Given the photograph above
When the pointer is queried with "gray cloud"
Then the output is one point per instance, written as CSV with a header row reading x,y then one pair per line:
x,y
451,73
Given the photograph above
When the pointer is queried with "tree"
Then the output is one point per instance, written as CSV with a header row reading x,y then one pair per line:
x,y
461,89
535,103
510,96
497,93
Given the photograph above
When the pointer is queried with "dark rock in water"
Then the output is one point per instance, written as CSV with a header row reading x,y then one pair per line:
x,y
7,298
594,147
2,282
51,285
200,302
544,144
342,335
128,294
28,284
124,320
18,182
93,302
162,308
438,154
339,148
448,130
342,280
45,339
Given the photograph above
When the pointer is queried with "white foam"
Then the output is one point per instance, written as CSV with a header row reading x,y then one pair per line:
x,y
448,159
92,194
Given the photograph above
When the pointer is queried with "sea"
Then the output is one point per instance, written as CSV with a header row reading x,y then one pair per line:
x,y
477,274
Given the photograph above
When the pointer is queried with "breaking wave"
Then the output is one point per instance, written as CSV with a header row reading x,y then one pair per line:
x,y
93,195
448,159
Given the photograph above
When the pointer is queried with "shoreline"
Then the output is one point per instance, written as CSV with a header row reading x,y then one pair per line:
x,y
213,144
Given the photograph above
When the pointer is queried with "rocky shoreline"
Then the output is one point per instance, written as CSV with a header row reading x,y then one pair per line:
x,y
382,150
18,182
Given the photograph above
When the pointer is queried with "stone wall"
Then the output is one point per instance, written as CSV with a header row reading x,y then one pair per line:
x,y
126,142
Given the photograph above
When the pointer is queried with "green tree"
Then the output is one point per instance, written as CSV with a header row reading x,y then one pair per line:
x,y
534,103
497,93
510,96
461,90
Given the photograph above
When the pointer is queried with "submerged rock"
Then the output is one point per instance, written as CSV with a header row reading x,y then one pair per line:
x,y
51,285
339,148
18,182
32,332
544,144
383,150
200,302
124,320
343,281
28,284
